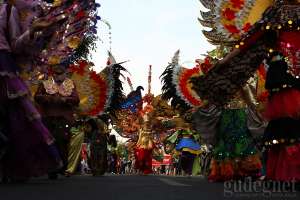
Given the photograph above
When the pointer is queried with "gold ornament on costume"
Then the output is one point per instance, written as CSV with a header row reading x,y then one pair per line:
x,y
73,21
54,60
145,139
74,42
65,89
57,3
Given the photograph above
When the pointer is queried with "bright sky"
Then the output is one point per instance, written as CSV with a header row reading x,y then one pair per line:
x,y
149,32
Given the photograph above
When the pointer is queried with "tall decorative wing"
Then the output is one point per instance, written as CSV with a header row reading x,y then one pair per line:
x,y
115,94
72,39
169,89
181,77
75,34
91,87
226,79
177,86
230,19
98,93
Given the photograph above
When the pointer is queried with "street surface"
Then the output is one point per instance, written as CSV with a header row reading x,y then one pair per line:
x,y
118,187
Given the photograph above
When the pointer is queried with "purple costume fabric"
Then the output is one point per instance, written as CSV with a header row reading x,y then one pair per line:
x,y
31,151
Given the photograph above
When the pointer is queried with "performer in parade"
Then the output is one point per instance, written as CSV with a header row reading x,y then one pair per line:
x,y
185,141
144,149
57,99
98,135
223,128
74,149
274,38
30,143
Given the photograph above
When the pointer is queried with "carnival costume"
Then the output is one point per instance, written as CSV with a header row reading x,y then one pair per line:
x,y
142,125
275,38
189,149
98,147
235,154
30,143
143,151
57,103
76,141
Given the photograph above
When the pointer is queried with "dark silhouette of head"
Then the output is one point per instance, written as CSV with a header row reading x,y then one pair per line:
x,y
139,88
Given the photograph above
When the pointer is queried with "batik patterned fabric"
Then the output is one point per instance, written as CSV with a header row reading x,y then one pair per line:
x,y
76,141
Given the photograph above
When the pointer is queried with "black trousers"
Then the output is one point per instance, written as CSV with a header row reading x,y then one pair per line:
x,y
60,130
187,162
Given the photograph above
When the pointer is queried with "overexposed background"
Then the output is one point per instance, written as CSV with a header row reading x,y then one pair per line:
x,y
148,32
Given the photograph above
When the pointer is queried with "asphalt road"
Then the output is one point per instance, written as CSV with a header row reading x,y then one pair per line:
x,y
126,187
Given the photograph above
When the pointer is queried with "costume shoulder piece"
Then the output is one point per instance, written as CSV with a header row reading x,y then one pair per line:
x,y
28,10
50,86
65,89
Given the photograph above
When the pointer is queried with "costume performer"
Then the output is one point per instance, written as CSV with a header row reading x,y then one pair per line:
x,y
187,145
98,136
31,151
143,150
275,37
74,152
100,95
234,155
227,126
57,98
113,156
232,131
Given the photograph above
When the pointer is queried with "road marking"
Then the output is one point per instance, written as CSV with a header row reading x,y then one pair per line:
x,y
173,183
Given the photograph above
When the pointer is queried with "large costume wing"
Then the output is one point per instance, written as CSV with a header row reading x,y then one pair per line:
x,y
230,19
177,86
98,93
71,41
74,35
112,74
224,80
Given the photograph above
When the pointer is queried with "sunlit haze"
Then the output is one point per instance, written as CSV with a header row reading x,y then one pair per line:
x,y
149,32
